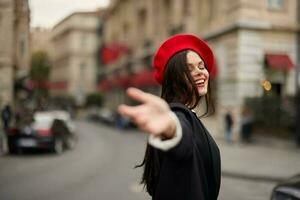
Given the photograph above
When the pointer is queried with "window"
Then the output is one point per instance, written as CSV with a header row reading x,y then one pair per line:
x,y
275,4
277,89
186,8
22,45
82,70
83,40
82,73
167,12
126,29
24,6
142,17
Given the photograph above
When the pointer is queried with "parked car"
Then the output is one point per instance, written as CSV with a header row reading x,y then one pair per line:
x,y
51,130
103,115
287,190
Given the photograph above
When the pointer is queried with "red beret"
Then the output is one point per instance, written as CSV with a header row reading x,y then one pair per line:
x,y
178,43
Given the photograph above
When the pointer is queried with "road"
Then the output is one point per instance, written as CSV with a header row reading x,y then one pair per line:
x,y
100,167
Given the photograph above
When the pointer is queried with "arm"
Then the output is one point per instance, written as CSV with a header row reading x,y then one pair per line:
x,y
152,116
169,131
167,144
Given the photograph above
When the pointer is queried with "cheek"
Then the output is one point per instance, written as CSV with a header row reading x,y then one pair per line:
x,y
207,74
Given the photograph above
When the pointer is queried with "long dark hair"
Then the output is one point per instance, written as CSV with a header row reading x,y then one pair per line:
x,y
178,86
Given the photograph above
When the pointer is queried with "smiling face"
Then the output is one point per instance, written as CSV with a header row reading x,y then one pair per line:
x,y
198,72
186,80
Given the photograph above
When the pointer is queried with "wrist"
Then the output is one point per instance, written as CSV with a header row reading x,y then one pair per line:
x,y
171,130
163,143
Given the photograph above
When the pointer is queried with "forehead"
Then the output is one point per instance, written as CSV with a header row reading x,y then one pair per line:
x,y
193,58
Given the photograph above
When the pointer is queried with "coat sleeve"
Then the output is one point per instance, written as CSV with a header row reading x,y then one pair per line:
x,y
185,146
165,145
182,147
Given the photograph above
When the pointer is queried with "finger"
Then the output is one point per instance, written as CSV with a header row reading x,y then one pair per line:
x,y
139,95
141,120
132,111
127,111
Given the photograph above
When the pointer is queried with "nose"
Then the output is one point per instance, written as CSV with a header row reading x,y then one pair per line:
x,y
197,71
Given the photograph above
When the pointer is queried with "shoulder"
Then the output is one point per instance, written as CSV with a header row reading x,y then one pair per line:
x,y
181,110
179,107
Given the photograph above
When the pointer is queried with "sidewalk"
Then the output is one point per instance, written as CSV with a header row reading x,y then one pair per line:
x,y
267,159
272,162
3,148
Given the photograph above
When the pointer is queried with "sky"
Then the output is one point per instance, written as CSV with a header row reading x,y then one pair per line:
x,y
47,13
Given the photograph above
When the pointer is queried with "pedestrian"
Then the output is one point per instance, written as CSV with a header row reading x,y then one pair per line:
x,y
228,126
182,161
246,124
6,116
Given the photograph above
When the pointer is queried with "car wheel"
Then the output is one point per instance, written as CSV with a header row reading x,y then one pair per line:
x,y
19,150
58,146
12,150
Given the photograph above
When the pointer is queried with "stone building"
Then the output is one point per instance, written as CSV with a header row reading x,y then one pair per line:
x,y
139,27
254,44
14,51
41,40
74,65
249,37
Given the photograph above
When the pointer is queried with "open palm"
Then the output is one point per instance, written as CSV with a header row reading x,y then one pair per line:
x,y
151,116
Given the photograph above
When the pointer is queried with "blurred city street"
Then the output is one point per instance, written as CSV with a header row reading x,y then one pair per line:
x,y
101,167
65,69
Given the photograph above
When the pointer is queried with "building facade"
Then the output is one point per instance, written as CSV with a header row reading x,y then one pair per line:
x,y
41,40
74,65
255,47
254,42
15,47
247,37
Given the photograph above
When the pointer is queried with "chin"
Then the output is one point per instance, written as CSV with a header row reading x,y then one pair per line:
x,y
202,92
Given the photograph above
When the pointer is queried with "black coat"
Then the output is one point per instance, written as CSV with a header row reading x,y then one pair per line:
x,y
191,169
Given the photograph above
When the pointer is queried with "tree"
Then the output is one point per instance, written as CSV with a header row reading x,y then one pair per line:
x,y
94,99
39,75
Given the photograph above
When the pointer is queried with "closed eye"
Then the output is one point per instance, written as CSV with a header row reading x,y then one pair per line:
x,y
201,65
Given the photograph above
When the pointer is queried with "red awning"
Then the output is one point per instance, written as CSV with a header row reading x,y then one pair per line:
x,y
143,78
111,52
37,84
58,85
104,85
120,81
279,61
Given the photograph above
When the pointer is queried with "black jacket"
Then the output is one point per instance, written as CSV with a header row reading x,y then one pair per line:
x,y
191,169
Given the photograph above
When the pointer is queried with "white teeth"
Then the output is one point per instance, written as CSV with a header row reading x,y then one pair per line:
x,y
200,81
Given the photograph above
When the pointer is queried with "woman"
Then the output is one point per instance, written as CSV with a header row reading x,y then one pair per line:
x,y
182,161
228,125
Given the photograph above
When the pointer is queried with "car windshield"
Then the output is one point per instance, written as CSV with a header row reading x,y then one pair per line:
x,y
42,124
42,121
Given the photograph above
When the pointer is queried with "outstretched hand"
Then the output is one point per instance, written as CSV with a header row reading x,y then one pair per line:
x,y
153,115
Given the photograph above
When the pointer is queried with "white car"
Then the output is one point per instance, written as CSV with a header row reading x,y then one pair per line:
x,y
52,130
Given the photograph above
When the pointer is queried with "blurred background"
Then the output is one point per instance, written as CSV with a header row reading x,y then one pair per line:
x,y
78,58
